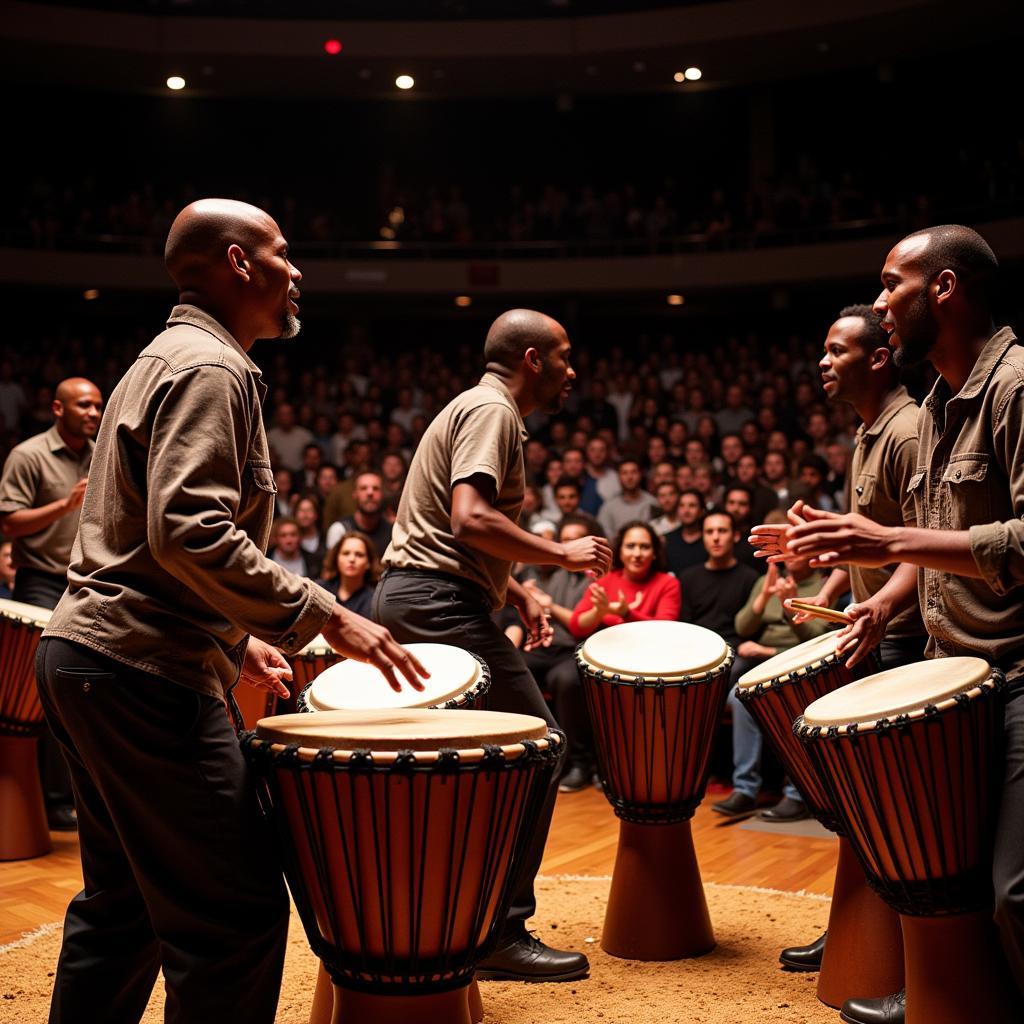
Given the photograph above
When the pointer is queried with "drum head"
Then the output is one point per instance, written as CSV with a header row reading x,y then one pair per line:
x,y
30,613
353,685
317,647
897,691
655,650
402,729
807,655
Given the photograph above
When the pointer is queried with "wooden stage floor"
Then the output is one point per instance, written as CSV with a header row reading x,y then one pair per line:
x,y
582,842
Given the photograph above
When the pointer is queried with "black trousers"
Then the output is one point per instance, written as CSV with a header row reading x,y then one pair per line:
x,y
44,590
556,673
181,870
1008,863
420,607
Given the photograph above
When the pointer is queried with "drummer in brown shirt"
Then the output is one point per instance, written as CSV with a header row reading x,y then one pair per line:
x,y
170,599
968,488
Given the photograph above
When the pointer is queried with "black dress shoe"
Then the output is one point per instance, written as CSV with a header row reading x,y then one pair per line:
x,y
887,1010
576,778
62,818
786,810
735,804
526,958
804,958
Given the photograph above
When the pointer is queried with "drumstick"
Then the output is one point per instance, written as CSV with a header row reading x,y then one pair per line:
x,y
822,613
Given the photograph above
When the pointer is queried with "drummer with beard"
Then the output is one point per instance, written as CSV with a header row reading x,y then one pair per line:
x,y
968,488
448,566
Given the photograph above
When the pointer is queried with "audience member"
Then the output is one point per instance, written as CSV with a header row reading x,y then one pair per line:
x,y
684,547
350,572
287,439
368,517
631,504
287,551
667,496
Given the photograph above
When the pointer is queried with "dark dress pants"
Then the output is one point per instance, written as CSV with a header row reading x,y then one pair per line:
x,y
180,868
422,607
1008,865
44,590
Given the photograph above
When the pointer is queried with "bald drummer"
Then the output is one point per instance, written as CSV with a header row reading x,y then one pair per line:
x,y
170,599
451,554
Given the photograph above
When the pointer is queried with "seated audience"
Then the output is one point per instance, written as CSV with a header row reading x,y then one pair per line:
x,y
632,504
287,550
350,572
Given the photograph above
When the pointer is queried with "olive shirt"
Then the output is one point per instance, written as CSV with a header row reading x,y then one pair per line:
x,y
773,627
168,573
970,476
479,432
38,471
878,486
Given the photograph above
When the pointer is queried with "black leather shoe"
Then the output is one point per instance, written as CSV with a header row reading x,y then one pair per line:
x,y
786,810
804,958
887,1010
526,958
735,804
576,778
62,818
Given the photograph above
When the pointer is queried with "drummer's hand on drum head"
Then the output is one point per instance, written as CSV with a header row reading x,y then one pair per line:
x,y
363,640
266,667
587,553
865,633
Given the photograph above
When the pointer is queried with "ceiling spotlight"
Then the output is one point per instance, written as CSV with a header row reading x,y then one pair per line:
x,y
693,74
176,82
332,46
679,76
675,300
405,81
90,294
462,301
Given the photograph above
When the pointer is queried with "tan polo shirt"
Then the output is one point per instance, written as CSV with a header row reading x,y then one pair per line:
x,y
480,431
38,471
169,572
970,476
878,486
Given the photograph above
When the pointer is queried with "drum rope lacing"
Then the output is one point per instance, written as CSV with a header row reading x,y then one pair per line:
x,y
386,953
934,860
21,713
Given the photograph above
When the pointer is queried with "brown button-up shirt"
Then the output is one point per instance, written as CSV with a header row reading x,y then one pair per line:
x,y
479,431
970,476
38,471
878,486
168,573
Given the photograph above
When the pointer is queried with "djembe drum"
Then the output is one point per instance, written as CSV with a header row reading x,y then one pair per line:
x,y
457,680
911,760
655,693
864,949
403,834
23,829
308,664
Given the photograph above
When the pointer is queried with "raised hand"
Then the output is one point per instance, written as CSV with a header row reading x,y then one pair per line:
x,y
587,553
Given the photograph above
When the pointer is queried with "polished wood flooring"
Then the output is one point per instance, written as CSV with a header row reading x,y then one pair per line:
x,y
582,842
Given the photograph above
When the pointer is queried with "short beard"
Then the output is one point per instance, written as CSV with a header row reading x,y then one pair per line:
x,y
292,326
918,337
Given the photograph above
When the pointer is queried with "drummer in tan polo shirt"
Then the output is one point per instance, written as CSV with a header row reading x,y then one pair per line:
x,y
451,554
968,488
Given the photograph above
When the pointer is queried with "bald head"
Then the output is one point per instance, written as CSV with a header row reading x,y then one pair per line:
x,y
516,331
203,232
68,390
77,408
959,249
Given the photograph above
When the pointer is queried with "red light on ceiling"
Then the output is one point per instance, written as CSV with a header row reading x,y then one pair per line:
x,y
332,46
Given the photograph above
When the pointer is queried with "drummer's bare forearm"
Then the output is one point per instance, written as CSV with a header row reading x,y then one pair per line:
x,y
900,590
837,584
24,522
942,550
481,526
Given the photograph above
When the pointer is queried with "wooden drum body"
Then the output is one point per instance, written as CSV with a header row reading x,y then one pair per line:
x,y
655,693
23,829
864,951
911,759
403,833
458,680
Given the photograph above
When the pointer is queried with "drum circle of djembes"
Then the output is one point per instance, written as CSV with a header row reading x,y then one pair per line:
x,y
863,955
912,760
403,832
655,692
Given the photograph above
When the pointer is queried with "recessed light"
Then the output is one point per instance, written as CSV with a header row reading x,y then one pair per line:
x,y
462,301
332,46
675,300
405,81
90,294
679,76
693,74
176,82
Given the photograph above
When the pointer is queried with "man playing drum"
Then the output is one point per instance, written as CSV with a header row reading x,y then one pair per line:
x,y
168,589
452,550
968,487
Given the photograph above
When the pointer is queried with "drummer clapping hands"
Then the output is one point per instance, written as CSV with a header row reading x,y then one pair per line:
x,y
266,668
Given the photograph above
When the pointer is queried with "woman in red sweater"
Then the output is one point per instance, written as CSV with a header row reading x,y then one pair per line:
x,y
635,590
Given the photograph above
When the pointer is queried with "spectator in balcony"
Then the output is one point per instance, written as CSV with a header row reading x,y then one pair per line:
x,y
287,439
368,516
350,572
633,503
